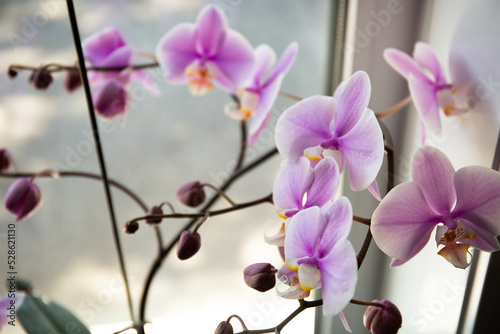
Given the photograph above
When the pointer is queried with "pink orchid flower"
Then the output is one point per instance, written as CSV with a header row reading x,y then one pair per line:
x,y
465,202
298,186
341,127
260,91
205,53
108,48
427,82
318,255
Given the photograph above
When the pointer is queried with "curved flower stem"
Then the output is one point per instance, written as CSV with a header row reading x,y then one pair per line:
x,y
166,250
395,108
218,191
244,144
112,182
53,67
366,221
235,207
363,303
277,329
290,96
390,184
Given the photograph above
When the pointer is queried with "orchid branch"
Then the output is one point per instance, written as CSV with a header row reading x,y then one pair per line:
x,y
235,207
395,108
166,250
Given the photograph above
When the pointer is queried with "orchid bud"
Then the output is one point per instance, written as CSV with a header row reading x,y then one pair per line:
x,y
191,194
260,276
41,78
131,227
189,244
224,328
382,320
5,159
12,73
110,98
22,198
154,211
72,81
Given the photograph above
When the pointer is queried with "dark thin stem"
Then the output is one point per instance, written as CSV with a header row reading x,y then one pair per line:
x,y
100,155
235,207
159,260
363,303
218,191
390,184
290,96
59,68
243,145
361,220
112,182
277,329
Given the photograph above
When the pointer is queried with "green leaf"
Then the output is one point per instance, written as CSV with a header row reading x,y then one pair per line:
x,y
41,316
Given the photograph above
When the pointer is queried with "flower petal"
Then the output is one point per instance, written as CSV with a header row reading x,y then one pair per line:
x,y
265,58
100,45
110,98
483,240
478,197
338,217
339,275
426,58
352,103
326,183
234,61
118,58
291,183
309,276
305,124
176,50
261,115
425,99
285,62
403,222
373,189
403,64
339,90
210,31
433,172
303,233
145,80
363,149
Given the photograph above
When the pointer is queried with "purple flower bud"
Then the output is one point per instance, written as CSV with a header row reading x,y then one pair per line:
x,y
5,159
22,198
41,78
154,211
189,244
12,73
131,227
191,194
110,98
224,328
72,81
383,320
260,276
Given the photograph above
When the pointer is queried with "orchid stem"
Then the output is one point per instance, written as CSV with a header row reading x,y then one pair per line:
x,y
166,250
361,220
363,303
112,182
395,108
244,144
218,191
290,96
235,207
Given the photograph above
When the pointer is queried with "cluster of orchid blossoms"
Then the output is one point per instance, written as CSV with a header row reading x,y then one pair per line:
x,y
319,137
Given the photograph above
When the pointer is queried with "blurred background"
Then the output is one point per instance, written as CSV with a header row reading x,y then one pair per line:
x,y
66,248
